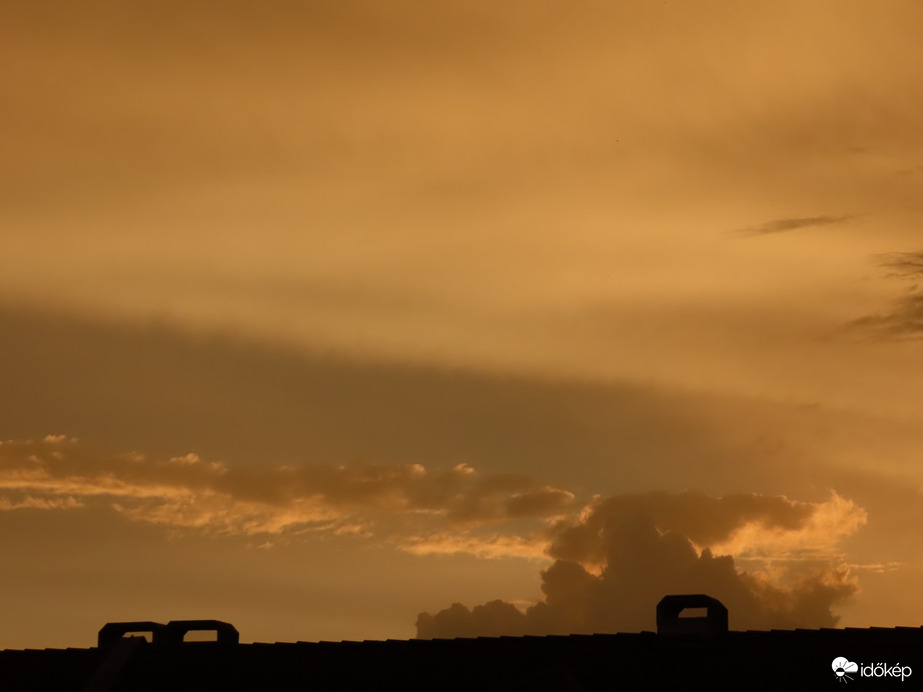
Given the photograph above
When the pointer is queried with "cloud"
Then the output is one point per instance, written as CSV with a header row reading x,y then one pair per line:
x,y
165,391
793,224
616,561
491,545
705,520
905,265
814,539
29,502
905,319
419,509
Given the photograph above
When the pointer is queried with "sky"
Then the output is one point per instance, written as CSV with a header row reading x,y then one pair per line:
x,y
362,320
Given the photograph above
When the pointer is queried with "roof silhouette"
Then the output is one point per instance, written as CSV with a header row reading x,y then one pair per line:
x,y
698,655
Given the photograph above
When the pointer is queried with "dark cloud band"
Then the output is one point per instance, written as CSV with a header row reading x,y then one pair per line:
x,y
792,224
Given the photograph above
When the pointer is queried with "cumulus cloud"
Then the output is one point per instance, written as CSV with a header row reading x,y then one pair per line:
x,y
793,224
616,561
705,520
446,511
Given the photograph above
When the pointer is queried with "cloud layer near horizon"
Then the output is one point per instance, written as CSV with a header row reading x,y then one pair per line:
x,y
188,493
625,553
611,556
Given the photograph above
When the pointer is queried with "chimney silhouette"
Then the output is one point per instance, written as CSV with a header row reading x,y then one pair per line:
x,y
670,620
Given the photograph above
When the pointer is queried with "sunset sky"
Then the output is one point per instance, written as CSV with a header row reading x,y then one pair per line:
x,y
320,317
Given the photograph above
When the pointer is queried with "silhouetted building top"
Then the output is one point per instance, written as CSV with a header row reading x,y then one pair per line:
x,y
670,618
698,654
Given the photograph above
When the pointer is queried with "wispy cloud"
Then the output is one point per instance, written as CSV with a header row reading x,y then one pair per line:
x,y
792,224
905,319
904,265
406,503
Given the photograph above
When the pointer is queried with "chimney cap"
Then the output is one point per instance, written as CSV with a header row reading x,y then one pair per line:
x,y
669,609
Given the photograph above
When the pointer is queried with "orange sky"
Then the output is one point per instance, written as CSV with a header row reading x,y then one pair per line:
x,y
315,316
